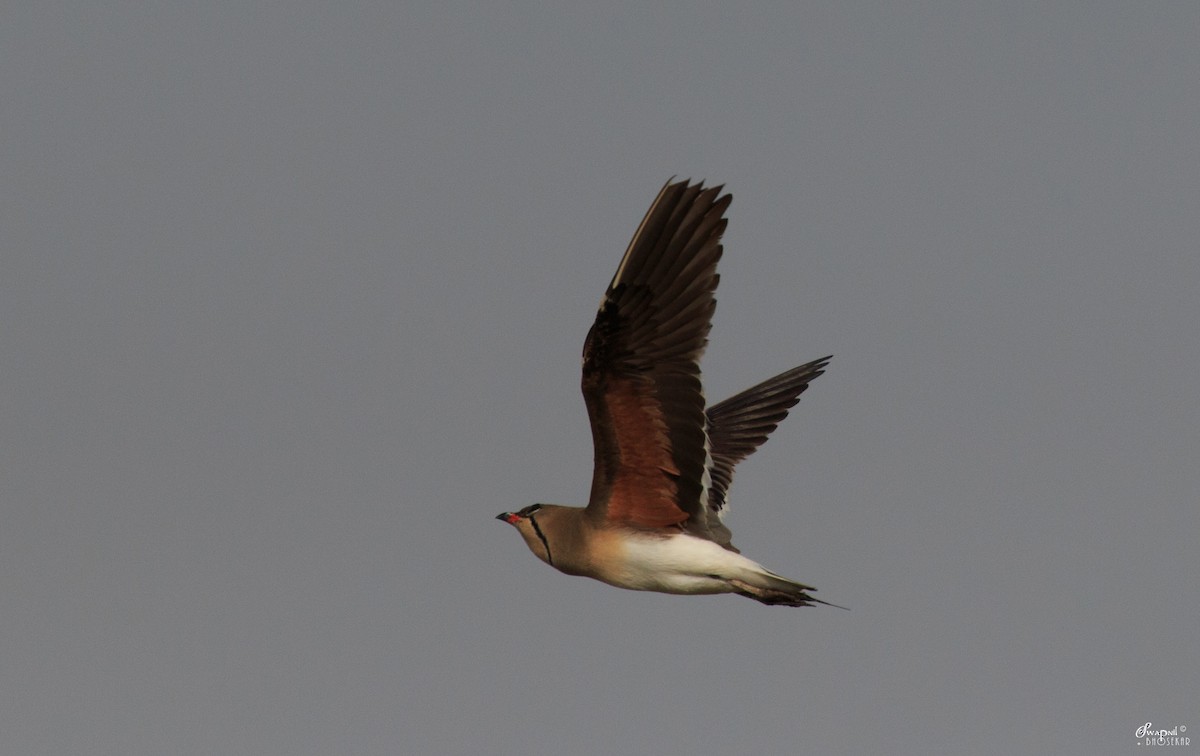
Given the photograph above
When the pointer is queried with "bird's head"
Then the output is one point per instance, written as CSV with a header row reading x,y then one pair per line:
x,y
526,523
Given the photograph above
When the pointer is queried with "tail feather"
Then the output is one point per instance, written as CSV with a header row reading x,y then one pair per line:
x,y
776,590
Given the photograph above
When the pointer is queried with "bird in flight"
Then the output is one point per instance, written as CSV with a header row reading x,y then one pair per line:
x,y
664,461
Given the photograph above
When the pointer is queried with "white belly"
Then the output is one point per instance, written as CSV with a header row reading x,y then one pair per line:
x,y
678,564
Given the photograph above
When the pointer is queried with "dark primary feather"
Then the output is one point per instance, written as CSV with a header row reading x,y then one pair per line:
x,y
739,425
641,374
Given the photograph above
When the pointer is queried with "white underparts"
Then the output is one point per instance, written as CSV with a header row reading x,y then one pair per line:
x,y
682,564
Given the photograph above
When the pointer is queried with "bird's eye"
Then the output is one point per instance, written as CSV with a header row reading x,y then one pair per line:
x,y
529,510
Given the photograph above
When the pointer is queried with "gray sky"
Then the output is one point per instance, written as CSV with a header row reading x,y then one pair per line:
x,y
292,303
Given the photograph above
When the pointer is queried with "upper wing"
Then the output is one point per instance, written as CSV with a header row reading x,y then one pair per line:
x,y
739,425
641,371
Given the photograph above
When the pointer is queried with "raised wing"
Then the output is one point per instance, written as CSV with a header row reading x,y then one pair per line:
x,y
739,425
641,372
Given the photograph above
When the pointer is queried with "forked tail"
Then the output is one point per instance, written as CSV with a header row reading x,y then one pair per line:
x,y
775,590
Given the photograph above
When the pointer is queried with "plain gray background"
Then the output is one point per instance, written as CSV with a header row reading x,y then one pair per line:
x,y
292,299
